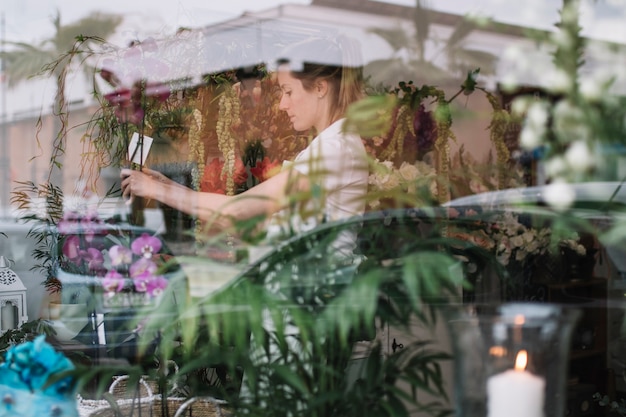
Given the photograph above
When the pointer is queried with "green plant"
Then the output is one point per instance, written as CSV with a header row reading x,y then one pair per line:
x,y
614,406
288,325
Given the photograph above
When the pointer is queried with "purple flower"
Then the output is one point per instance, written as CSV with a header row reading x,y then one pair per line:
x,y
146,245
156,285
141,281
68,224
71,247
91,257
113,281
143,267
120,255
74,223
94,259
87,223
151,284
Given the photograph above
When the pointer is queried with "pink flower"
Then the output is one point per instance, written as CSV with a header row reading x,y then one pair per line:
x,y
113,281
156,285
141,267
120,255
71,247
149,283
92,257
146,245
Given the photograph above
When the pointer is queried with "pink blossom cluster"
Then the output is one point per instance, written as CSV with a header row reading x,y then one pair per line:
x,y
141,266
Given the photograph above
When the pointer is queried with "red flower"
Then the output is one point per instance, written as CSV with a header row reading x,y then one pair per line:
x,y
211,182
241,175
265,169
214,180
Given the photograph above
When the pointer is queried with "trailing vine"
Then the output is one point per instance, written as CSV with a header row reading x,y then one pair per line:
x,y
501,122
228,116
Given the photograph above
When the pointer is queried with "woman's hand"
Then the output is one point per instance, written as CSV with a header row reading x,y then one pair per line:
x,y
144,183
158,176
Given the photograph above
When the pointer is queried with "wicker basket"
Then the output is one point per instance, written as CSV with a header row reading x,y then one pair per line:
x,y
145,388
155,407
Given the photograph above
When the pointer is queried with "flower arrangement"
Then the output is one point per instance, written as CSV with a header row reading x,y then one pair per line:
x,y
414,182
511,239
252,134
214,179
123,261
408,130
32,381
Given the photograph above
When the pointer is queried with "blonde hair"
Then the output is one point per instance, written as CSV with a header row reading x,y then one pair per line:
x,y
338,62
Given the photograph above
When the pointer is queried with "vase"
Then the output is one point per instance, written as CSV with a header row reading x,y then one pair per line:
x,y
511,360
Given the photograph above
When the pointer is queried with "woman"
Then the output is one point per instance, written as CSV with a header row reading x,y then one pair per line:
x,y
327,181
333,167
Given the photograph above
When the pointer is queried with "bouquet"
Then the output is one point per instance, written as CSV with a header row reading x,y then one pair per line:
x,y
125,264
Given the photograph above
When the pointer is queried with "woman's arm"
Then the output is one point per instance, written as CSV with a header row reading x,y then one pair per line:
x,y
263,199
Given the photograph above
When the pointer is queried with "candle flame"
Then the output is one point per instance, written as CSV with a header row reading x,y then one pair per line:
x,y
519,320
521,360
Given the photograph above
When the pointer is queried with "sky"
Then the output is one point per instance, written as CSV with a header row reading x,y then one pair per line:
x,y
30,20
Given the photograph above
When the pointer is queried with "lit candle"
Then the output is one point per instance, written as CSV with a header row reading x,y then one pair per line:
x,y
516,392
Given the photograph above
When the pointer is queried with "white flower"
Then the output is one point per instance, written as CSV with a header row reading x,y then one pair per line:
x,y
579,157
517,241
559,81
591,88
569,122
424,168
562,38
520,105
533,246
408,172
509,82
559,195
387,164
537,115
555,166
514,53
531,137
528,236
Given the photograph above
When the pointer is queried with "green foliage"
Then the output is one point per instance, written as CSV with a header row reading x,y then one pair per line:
x,y
25,197
282,333
617,407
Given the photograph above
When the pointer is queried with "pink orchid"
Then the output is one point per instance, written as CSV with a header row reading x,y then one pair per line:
x,y
113,281
156,285
151,284
120,255
146,245
94,259
142,267
71,247
90,256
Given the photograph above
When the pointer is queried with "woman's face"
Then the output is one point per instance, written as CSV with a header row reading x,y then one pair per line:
x,y
305,108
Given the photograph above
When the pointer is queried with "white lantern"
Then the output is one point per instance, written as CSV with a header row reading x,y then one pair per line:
x,y
12,298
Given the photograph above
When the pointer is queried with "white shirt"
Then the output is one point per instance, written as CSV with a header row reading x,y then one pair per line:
x,y
336,165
